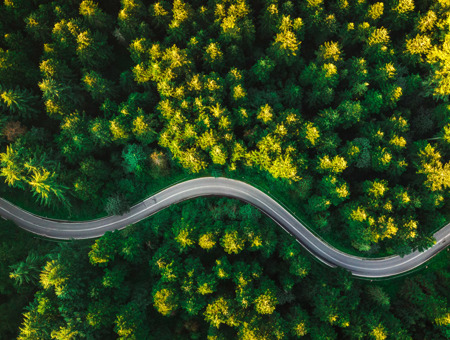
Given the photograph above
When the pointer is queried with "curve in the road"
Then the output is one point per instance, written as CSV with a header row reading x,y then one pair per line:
x,y
210,186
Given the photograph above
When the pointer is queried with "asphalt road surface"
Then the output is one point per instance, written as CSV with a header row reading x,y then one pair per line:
x,y
210,186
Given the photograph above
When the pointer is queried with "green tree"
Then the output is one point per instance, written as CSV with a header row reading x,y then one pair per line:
x,y
377,294
134,158
92,49
27,271
99,87
116,205
12,167
437,174
94,15
20,102
286,44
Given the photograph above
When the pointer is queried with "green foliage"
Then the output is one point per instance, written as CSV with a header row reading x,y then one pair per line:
x,y
99,87
20,102
27,271
117,205
437,174
340,107
93,289
34,171
134,158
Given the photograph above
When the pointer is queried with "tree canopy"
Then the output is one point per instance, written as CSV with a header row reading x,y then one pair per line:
x,y
339,109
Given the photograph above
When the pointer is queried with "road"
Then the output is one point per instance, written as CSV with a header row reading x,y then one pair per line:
x,y
210,186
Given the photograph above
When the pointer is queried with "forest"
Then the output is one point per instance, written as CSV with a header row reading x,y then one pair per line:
x,y
207,269
340,109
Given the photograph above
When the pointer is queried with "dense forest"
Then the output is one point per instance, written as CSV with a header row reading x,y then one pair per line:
x,y
208,269
339,107
342,103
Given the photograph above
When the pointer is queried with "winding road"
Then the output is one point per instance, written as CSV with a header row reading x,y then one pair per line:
x,y
210,186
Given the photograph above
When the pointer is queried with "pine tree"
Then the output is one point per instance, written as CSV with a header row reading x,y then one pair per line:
x,y
26,271
45,187
12,167
20,102
116,205
134,158
100,88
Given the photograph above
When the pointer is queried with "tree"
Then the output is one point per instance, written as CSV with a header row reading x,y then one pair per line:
x,y
213,56
437,174
45,187
54,276
335,165
235,25
219,312
377,294
143,129
116,205
232,242
134,158
335,188
165,301
129,322
64,333
13,130
299,323
12,167
266,303
263,68
92,49
131,19
20,102
286,44
100,88
118,130
94,15
60,98
100,132
104,249
329,52
26,271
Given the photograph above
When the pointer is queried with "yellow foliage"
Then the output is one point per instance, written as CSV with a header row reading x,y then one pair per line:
x,y
378,36
266,303
183,238
239,92
444,320
232,242
118,131
164,301
64,333
330,51
300,329
420,44
378,189
398,141
359,215
207,241
265,113
330,70
213,53
335,165
404,6
375,11
379,333
427,22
